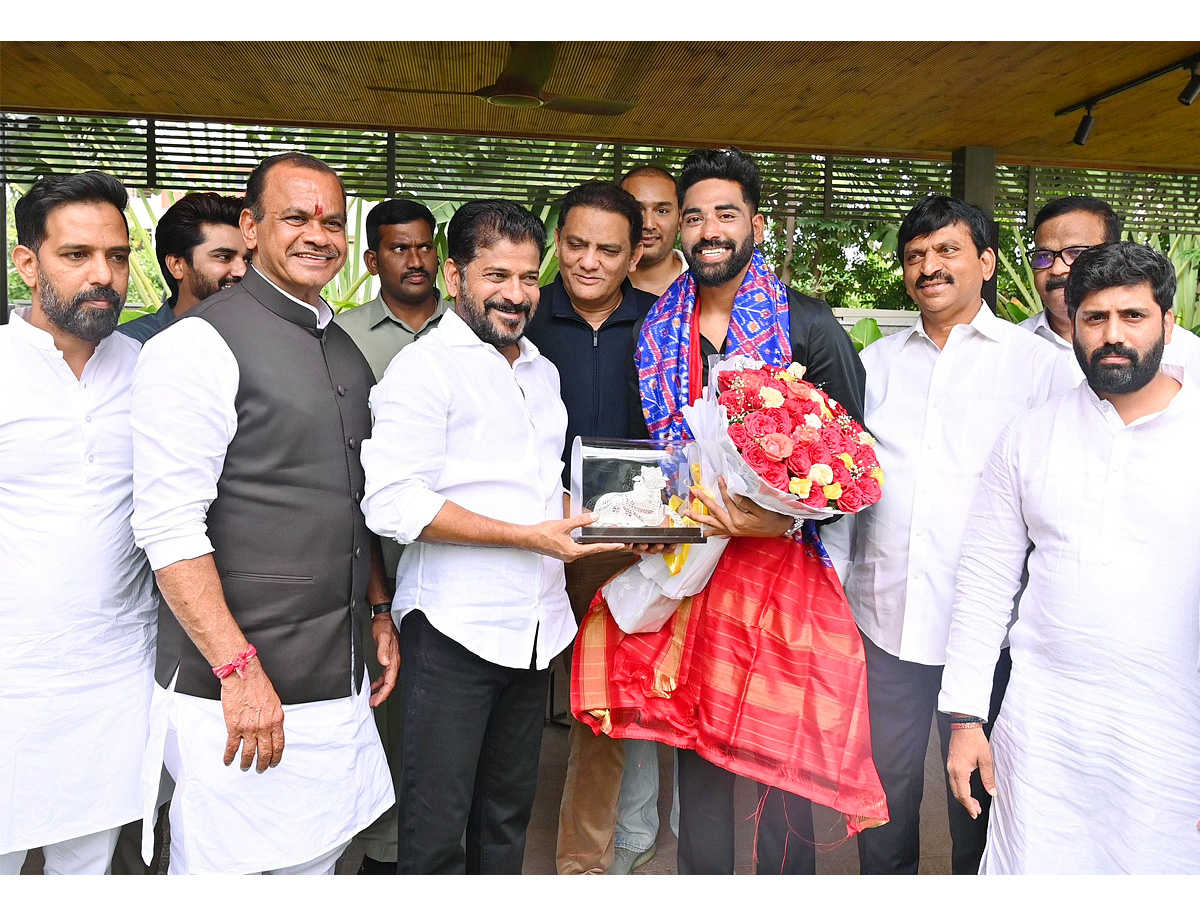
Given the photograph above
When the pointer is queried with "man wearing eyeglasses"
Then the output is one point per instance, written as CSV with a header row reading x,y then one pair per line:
x,y
1063,229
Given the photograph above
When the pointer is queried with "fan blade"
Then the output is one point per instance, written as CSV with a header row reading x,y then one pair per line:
x,y
530,64
586,106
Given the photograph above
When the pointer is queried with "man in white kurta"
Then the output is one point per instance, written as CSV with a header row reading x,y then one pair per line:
x,y
1095,747
76,604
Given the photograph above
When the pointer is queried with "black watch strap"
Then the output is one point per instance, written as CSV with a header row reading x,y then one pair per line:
x,y
378,609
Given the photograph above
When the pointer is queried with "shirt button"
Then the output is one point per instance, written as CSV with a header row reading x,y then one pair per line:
x,y
351,443
87,418
341,389
357,496
91,458
358,552
916,576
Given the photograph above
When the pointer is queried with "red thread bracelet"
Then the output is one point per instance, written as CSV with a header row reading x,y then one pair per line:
x,y
237,664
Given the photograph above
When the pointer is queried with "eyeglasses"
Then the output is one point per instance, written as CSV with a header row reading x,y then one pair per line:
x,y
1044,259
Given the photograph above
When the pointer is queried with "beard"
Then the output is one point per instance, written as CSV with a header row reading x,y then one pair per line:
x,y
1109,379
202,286
90,325
475,314
717,274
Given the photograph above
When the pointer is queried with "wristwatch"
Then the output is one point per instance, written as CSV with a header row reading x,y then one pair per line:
x,y
378,609
796,526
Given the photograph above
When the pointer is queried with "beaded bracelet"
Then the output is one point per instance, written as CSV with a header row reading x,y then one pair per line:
x,y
237,664
963,726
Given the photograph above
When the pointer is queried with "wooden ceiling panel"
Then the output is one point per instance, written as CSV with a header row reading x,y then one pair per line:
x,y
915,99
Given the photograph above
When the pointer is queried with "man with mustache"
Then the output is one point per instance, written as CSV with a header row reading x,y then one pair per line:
x,y
729,301
1092,764
660,263
200,251
465,464
938,395
1063,229
400,251
248,418
76,599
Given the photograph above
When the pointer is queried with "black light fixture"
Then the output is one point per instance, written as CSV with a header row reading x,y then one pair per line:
x,y
1189,94
1187,97
1084,131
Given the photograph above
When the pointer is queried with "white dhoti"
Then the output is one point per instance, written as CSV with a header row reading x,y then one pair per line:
x,y
332,782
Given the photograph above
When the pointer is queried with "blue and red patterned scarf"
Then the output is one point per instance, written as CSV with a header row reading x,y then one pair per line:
x,y
668,351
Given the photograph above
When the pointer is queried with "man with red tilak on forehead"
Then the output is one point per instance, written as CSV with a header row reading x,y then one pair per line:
x,y
721,643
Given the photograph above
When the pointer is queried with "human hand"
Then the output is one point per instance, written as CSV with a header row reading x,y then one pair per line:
x,y
651,549
253,718
969,750
741,517
387,648
553,538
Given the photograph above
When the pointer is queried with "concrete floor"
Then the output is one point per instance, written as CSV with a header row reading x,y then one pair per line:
x,y
835,856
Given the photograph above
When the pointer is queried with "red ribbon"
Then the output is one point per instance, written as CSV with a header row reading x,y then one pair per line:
x,y
237,664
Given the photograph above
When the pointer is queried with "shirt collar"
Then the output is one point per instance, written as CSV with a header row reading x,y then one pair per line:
x,y
1106,409
42,339
560,302
984,323
457,333
322,311
380,312
1041,326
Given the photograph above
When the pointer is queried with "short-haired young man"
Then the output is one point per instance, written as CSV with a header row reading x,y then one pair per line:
x,y
729,301
76,603
200,251
1096,770
660,263
465,462
938,395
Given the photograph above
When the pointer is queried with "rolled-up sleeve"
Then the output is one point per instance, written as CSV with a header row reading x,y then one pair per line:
x,y
183,416
404,456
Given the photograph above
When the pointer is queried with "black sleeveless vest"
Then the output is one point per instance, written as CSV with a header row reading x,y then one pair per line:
x,y
289,538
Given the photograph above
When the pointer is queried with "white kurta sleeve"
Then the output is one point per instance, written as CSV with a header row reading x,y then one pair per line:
x,y
994,548
838,538
405,453
184,416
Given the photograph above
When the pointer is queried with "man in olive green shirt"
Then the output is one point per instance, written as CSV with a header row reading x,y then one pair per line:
x,y
401,252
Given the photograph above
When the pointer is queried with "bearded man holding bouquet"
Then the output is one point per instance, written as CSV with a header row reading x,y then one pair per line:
x,y
712,660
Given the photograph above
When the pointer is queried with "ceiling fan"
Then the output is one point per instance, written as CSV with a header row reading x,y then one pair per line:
x,y
530,65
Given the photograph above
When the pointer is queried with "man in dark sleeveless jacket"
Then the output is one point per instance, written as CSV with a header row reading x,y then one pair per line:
x,y
249,413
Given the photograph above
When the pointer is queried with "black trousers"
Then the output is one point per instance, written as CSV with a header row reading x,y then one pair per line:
x,y
471,737
903,699
785,841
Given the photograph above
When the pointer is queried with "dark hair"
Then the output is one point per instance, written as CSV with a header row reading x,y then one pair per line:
x,y
396,212
647,170
257,183
936,212
727,165
479,224
1063,205
607,197
53,191
1121,264
181,228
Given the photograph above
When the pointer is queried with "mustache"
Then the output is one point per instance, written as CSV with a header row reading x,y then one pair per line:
x,y
506,307
712,244
940,278
100,293
1114,350
1056,281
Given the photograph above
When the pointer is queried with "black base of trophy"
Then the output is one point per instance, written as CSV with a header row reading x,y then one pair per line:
x,y
595,534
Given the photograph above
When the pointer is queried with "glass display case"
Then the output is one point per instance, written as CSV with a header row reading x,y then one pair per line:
x,y
640,489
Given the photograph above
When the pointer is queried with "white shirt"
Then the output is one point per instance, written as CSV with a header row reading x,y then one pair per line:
x,y
1096,743
77,609
184,417
935,415
455,421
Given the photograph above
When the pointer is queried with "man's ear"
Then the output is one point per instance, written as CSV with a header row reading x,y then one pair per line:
x,y
760,227
636,257
452,276
26,262
249,229
177,266
372,261
987,260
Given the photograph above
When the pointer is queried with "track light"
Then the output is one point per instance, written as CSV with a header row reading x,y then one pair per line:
x,y
1084,131
1189,94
